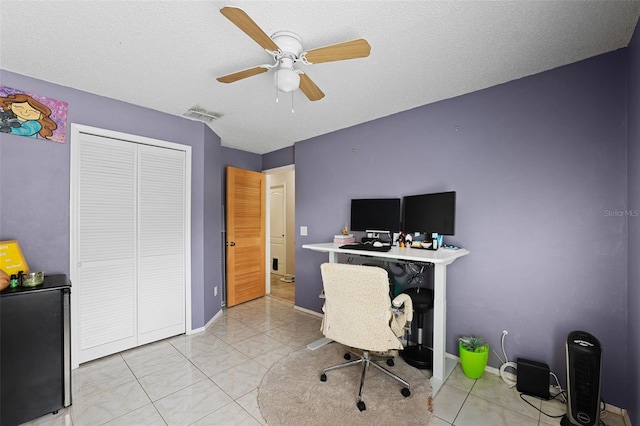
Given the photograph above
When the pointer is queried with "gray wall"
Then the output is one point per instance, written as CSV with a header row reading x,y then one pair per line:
x,y
34,208
633,300
539,166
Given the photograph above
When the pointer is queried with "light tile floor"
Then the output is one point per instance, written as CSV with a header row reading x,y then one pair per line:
x,y
211,378
282,290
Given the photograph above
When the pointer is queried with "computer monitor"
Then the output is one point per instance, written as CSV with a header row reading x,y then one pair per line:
x,y
375,215
430,213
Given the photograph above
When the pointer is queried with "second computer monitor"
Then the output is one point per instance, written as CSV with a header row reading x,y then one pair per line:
x,y
430,213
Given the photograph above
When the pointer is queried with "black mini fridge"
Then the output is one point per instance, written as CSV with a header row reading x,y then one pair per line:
x,y
35,350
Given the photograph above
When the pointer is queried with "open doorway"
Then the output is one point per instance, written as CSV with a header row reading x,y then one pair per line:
x,y
281,232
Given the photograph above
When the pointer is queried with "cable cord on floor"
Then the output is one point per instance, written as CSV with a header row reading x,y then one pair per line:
x,y
506,359
540,410
558,387
505,379
505,363
563,395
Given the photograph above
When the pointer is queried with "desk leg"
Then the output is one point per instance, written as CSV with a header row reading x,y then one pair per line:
x,y
333,258
441,368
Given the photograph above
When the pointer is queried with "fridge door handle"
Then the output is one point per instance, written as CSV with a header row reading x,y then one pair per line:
x,y
66,313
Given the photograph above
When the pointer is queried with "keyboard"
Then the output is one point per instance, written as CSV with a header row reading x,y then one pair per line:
x,y
367,247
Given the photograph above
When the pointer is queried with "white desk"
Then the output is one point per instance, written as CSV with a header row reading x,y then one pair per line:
x,y
442,366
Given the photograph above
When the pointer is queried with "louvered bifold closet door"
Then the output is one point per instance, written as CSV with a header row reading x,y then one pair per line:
x,y
161,236
106,268
131,232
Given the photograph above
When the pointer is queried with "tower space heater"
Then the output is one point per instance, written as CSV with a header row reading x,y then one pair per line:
x,y
584,364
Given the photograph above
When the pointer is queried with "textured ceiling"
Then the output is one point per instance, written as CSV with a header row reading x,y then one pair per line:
x,y
166,55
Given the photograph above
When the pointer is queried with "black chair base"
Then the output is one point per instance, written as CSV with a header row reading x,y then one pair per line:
x,y
418,356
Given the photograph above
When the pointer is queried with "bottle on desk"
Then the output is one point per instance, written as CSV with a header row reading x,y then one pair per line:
x,y
13,281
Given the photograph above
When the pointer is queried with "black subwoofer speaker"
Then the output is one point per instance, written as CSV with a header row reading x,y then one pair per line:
x,y
584,365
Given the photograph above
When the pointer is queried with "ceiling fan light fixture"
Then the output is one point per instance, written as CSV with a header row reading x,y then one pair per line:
x,y
287,80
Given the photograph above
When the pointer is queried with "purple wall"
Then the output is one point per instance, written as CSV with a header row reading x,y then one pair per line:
x,y
213,244
279,158
241,159
34,207
633,300
539,166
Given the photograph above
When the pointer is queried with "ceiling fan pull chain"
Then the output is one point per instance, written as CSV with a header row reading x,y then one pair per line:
x,y
277,88
292,103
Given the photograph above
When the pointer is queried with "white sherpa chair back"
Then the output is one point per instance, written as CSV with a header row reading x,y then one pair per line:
x,y
357,308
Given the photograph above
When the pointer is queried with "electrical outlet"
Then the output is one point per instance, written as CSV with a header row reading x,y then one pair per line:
x,y
215,291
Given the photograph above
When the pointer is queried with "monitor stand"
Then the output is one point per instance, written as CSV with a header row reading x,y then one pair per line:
x,y
374,235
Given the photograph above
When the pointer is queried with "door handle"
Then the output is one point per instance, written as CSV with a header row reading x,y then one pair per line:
x,y
230,243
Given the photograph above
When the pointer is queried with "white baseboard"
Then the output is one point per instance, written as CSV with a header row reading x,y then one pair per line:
x,y
207,325
618,412
308,311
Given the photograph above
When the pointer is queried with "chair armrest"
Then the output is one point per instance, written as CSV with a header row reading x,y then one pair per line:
x,y
402,308
404,299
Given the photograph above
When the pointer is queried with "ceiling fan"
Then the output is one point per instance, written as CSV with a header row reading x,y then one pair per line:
x,y
286,49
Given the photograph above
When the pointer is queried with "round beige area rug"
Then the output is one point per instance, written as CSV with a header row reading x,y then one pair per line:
x,y
291,393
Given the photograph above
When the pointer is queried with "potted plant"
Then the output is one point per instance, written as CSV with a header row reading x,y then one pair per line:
x,y
474,354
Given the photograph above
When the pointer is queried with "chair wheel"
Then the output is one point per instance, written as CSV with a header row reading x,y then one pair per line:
x,y
347,356
361,406
405,392
323,377
390,362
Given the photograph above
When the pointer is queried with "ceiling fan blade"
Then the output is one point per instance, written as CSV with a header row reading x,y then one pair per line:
x,y
246,24
309,88
338,52
230,78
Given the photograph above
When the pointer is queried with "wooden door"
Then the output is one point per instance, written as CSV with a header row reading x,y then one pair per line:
x,y
246,208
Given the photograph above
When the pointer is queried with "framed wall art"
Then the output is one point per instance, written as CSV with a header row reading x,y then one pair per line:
x,y
31,115
11,259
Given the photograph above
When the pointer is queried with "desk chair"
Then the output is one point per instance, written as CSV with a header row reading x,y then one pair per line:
x,y
358,314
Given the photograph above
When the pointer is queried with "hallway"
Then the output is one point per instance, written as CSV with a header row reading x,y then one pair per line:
x,y
282,290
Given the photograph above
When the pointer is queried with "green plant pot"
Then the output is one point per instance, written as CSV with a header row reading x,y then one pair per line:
x,y
473,363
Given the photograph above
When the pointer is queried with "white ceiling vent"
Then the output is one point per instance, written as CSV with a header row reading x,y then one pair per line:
x,y
202,115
